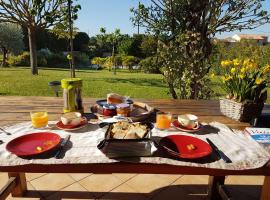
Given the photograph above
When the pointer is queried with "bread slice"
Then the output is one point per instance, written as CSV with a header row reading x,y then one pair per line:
x,y
119,134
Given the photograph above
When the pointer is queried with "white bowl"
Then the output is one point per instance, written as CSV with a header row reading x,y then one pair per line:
x,y
71,118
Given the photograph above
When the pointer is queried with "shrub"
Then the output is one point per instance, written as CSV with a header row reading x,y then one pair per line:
x,y
129,61
20,60
57,59
150,65
98,61
82,59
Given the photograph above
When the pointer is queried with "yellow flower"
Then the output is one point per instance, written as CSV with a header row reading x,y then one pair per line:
x,y
233,70
212,75
266,69
225,63
241,76
228,78
252,65
236,62
246,61
258,81
243,70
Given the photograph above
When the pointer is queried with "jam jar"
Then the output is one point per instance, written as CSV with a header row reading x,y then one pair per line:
x,y
123,109
109,110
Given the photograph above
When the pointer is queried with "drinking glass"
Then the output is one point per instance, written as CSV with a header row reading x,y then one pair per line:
x,y
39,119
163,120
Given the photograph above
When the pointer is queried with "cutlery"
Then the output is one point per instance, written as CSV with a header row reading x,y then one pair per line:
x,y
4,131
103,124
167,149
62,145
218,152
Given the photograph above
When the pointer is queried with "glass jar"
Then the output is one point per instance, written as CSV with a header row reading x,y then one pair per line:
x,y
109,110
123,110
72,94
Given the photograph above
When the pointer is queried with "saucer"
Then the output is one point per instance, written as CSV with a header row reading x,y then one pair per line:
x,y
178,126
61,126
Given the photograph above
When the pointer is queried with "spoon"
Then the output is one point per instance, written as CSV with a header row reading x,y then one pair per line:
x,y
7,133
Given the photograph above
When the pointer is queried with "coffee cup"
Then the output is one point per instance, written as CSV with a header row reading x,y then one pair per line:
x,y
71,118
188,121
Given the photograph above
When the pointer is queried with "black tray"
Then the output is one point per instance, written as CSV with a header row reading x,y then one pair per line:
x,y
113,148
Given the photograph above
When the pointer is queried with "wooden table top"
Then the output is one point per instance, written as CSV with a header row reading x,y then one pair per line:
x,y
16,109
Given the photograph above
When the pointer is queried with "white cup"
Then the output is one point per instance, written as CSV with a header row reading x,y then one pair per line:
x,y
188,121
71,118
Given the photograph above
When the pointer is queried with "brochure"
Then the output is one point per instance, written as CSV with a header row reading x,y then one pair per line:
x,y
261,135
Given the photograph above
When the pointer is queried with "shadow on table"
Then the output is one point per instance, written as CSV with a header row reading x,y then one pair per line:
x,y
172,192
208,129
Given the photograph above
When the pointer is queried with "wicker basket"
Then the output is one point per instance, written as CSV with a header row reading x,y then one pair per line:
x,y
243,112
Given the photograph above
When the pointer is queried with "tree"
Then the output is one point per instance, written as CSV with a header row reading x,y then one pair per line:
x,y
81,42
149,45
112,38
132,46
186,27
126,47
35,15
11,40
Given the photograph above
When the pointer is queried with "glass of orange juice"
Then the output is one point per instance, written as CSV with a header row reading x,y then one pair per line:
x,y
163,120
39,119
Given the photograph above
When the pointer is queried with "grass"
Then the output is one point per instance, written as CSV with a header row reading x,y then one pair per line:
x,y
19,82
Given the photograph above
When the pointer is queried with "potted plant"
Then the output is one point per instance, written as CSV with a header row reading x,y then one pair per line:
x,y
245,83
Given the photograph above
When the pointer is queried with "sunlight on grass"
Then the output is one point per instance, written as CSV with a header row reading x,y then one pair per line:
x,y
19,82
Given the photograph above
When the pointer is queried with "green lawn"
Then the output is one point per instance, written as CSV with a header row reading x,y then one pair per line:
x,y
19,82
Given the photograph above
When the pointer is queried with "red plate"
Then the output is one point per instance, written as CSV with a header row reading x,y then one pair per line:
x,y
178,126
179,143
83,123
33,144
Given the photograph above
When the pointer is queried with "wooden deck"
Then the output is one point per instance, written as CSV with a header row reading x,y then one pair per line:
x,y
16,109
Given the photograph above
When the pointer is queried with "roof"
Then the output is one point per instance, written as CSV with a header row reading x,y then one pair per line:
x,y
252,36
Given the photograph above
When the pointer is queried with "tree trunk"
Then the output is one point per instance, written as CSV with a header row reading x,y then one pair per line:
x,y
113,60
4,62
33,50
172,91
72,64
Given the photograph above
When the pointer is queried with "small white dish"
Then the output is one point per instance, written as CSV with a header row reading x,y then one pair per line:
x,y
71,118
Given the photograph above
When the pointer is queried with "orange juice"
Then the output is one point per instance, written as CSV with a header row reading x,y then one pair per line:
x,y
39,119
163,120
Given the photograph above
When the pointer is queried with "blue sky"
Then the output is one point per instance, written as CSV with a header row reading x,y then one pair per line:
x,y
114,14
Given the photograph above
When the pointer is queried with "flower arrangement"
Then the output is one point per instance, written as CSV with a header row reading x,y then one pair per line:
x,y
245,80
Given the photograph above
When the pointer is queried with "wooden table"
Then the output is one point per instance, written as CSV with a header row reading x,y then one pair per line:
x,y
16,109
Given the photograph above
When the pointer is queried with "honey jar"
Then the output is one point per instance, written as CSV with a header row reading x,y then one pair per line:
x,y
123,110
